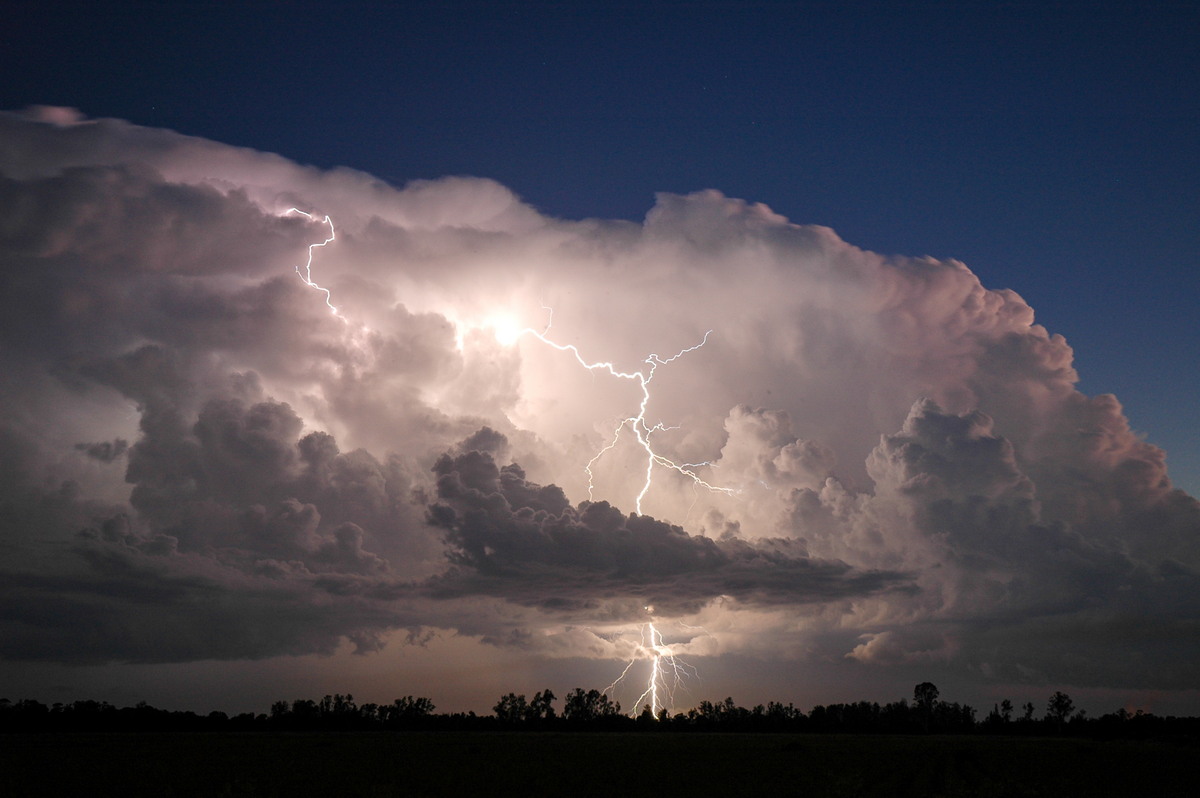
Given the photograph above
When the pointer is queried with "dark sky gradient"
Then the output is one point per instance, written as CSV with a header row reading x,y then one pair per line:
x,y
1050,146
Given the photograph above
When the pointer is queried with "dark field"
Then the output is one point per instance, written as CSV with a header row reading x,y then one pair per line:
x,y
586,764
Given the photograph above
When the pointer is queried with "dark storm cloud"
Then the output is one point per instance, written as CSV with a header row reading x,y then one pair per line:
x,y
517,540
154,606
104,451
1007,579
224,553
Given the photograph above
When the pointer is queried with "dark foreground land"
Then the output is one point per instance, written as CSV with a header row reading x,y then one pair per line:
x,y
264,764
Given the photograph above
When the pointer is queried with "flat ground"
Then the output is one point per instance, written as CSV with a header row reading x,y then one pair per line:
x,y
265,765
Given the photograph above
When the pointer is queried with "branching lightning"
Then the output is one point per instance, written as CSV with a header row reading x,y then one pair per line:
x,y
642,430
667,671
507,335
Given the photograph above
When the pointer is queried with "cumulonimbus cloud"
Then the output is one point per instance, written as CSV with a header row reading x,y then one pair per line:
x,y
199,460
526,543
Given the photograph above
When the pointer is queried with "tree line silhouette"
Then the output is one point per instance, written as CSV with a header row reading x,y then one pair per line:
x,y
590,710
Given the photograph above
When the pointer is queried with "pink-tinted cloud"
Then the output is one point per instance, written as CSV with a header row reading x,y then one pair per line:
x,y
200,461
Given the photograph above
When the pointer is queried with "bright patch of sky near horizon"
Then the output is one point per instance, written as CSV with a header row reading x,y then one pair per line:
x,y
1050,146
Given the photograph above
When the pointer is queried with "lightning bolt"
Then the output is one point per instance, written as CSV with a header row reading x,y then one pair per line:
x,y
642,430
667,672
306,275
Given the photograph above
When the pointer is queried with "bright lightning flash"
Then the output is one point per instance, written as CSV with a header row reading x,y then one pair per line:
x,y
667,672
306,275
506,333
506,330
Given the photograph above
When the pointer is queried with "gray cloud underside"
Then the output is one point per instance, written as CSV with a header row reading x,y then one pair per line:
x,y
517,540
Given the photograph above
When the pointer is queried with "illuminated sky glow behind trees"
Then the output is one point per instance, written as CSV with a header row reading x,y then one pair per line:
x,y
923,494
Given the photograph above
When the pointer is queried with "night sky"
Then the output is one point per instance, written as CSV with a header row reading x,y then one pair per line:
x,y
931,241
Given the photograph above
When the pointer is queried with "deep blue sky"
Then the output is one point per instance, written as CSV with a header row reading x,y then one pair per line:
x,y
1053,147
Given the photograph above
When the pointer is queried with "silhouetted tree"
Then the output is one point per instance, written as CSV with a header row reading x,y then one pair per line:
x,y
896,716
594,710
1059,708
279,711
589,706
511,708
925,699
541,707
405,711
305,712
1000,717
952,717
344,705
925,696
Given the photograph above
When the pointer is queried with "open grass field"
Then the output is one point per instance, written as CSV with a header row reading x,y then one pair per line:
x,y
265,765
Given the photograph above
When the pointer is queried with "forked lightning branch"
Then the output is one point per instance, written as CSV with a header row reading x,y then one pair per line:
x,y
666,671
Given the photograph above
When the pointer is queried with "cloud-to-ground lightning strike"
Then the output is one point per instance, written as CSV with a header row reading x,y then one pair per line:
x,y
666,671
641,429
306,275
